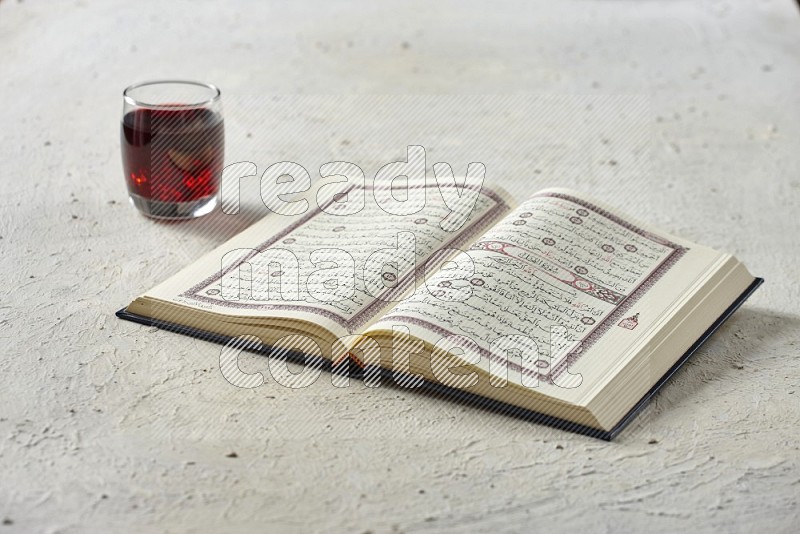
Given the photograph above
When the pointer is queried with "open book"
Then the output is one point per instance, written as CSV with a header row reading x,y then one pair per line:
x,y
560,308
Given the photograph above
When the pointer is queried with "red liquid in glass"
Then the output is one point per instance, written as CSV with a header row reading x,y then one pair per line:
x,y
172,156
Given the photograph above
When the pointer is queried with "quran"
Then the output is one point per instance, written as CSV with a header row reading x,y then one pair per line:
x,y
556,307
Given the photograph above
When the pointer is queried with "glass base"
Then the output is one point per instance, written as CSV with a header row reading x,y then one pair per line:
x,y
174,211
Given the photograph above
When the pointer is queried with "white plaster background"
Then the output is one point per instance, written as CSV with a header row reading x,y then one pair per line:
x,y
106,425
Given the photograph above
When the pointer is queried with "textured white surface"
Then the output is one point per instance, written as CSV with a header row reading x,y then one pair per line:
x,y
106,425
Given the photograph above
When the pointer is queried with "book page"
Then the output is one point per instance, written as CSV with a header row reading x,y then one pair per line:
x,y
331,266
548,283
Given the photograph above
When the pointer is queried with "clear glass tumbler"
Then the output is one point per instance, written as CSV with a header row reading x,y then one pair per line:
x,y
173,147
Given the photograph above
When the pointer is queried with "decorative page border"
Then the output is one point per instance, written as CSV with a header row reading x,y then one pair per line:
x,y
363,316
603,326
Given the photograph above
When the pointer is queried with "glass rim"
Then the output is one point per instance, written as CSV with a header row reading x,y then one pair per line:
x,y
177,105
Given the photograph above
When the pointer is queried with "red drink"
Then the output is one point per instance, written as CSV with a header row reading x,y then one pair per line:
x,y
173,159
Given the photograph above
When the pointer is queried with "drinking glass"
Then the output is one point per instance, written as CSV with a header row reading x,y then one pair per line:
x,y
173,147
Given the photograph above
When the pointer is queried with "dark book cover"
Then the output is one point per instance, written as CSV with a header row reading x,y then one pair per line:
x,y
472,399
